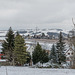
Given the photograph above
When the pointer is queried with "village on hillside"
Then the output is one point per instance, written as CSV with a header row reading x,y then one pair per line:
x,y
46,39
37,37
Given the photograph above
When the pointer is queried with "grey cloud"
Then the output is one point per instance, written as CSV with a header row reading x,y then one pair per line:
x,y
43,13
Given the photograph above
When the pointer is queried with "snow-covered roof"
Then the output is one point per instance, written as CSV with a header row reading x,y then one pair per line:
x,y
28,46
3,33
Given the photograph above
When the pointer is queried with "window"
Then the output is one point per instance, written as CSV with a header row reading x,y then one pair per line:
x,y
68,53
72,53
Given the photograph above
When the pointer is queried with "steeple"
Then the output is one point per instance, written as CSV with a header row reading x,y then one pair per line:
x,y
73,23
73,30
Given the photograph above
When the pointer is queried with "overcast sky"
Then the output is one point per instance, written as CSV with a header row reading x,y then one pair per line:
x,y
22,14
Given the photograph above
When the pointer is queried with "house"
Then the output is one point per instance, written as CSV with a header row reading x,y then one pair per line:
x,y
71,50
30,49
69,56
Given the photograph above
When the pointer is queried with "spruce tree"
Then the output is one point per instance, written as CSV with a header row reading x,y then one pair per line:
x,y
20,54
28,58
60,49
53,54
37,54
44,57
8,45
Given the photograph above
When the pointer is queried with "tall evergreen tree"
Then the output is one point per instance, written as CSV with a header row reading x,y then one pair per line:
x,y
28,58
44,57
37,53
53,54
20,54
60,49
8,45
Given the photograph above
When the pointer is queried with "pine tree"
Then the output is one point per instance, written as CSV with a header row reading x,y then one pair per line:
x,y
44,57
60,49
8,45
37,54
53,54
28,58
20,54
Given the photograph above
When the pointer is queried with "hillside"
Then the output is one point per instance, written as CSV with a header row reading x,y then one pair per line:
x,y
32,32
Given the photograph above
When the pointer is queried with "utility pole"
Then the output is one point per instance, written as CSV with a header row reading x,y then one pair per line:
x,y
36,35
74,26
36,29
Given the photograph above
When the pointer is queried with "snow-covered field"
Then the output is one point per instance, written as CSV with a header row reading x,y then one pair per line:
x,y
34,71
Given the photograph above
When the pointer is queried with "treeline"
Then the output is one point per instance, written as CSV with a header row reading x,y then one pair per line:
x,y
14,49
56,56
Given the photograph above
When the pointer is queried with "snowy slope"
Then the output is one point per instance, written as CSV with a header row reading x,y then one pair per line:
x,y
35,71
3,33
39,32
49,32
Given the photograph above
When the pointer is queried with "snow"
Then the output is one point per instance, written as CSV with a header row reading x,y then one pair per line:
x,y
3,33
2,60
25,34
2,38
34,71
44,45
